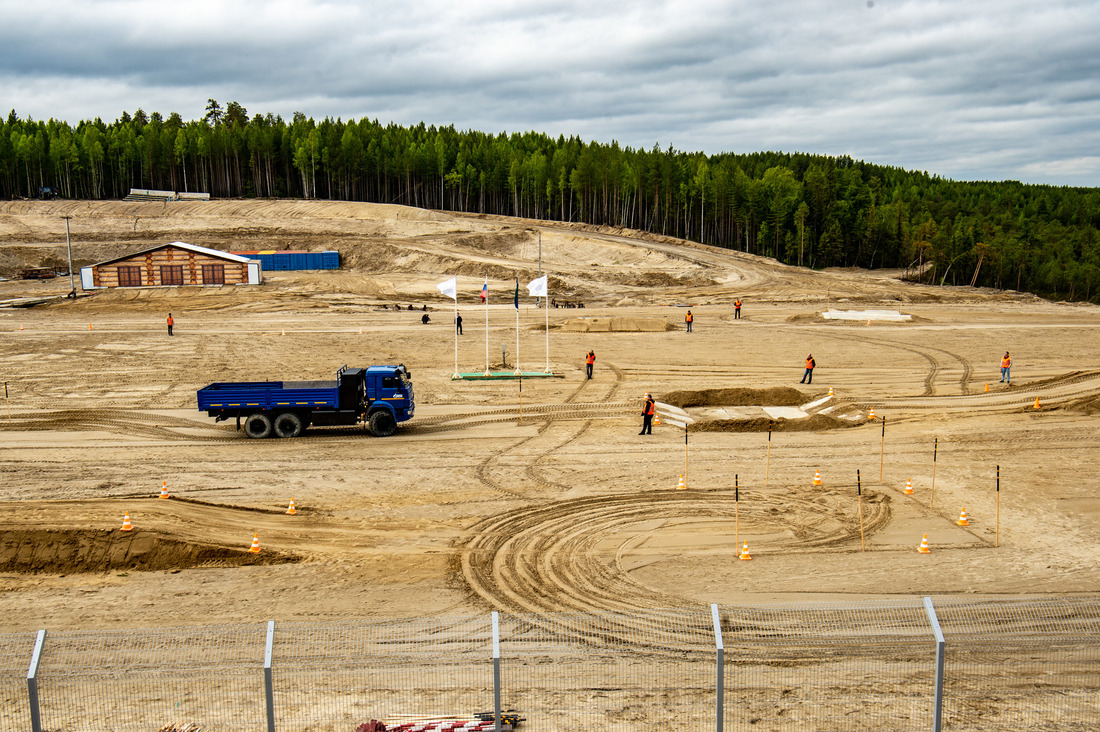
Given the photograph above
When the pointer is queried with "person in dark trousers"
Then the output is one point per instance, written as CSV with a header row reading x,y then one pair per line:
x,y
425,319
649,408
589,362
808,376
689,319
171,322
458,324
1006,369
737,309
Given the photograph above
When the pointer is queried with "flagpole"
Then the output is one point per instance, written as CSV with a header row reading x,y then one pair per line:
x,y
485,292
516,302
455,329
546,308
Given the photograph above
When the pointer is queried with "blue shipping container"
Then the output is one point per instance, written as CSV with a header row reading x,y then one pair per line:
x,y
330,260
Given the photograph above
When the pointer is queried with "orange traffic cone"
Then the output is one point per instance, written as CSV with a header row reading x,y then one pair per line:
x,y
987,386
681,485
962,519
908,487
1036,403
89,326
20,326
745,552
656,419
126,526
830,391
255,544
923,548
817,478
164,489
871,416
290,510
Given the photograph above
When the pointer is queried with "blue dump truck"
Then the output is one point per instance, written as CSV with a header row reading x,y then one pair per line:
x,y
381,396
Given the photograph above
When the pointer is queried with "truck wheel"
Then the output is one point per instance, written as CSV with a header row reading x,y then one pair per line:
x,y
257,426
288,424
382,424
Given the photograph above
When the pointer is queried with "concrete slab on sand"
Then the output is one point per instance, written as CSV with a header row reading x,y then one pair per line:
x,y
615,325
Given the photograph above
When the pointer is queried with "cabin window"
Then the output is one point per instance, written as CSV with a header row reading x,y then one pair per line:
x,y
129,276
213,274
171,274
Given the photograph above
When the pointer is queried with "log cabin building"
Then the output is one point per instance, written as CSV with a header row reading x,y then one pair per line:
x,y
172,264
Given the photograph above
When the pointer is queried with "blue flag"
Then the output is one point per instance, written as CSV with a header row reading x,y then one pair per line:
x,y
516,300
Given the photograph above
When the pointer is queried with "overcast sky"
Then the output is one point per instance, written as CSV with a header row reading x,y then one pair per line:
x,y
970,90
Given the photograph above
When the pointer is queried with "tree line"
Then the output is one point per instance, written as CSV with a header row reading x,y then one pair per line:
x,y
807,210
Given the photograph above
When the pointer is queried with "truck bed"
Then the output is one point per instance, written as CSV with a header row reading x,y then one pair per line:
x,y
268,395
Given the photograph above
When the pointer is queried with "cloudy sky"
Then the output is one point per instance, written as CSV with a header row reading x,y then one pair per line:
x,y
965,89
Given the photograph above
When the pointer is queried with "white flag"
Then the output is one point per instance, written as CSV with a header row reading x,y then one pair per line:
x,y
449,288
537,288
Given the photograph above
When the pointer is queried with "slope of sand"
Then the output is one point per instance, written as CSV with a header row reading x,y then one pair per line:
x,y
540,500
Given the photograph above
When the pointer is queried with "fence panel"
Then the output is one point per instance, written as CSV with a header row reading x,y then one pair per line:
x,y
15,658
570,671
1021,664
143,679
335,676
829,666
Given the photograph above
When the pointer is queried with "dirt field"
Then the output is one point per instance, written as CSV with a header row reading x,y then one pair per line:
x,y
536,501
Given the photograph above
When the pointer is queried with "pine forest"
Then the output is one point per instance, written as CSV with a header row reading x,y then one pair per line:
x,y
806,210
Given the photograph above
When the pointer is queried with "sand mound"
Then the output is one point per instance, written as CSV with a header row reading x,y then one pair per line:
x,y
616,325
782,396
85,550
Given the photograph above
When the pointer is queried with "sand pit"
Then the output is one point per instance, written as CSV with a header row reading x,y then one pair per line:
x,y
453,510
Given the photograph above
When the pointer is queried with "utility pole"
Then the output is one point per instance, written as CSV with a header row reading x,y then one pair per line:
x,y
69,246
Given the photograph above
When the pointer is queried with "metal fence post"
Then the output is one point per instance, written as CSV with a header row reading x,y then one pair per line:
x,y
496,670
32,682
937,719
720,691
269,686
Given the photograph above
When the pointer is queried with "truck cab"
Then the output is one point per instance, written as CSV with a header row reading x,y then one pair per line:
x,y
388,398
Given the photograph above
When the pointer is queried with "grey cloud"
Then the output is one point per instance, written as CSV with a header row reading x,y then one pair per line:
x,y
983,89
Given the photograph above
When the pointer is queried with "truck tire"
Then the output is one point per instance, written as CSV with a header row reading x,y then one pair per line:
x,y
287,424
382,424
257,426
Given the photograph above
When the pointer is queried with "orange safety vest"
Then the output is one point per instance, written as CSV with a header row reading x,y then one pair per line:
x,y
170,321
650,407
591,358
1006,362
689,317
810,363
737,303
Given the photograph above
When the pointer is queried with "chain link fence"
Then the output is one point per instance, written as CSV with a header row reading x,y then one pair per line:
x,y
909,664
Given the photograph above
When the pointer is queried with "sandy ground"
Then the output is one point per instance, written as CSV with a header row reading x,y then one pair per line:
x,y
536,500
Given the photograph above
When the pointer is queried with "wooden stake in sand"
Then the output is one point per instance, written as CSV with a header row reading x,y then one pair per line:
x,y
998,535
736,513
768,460
859,498
935,450
882,451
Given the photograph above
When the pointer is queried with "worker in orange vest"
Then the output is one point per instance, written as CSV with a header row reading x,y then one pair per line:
x,y
1006,367
170,323
737,309
689,319
808,377
649,408
589,361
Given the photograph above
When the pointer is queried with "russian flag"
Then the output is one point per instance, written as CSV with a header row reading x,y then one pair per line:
x,y
485,290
